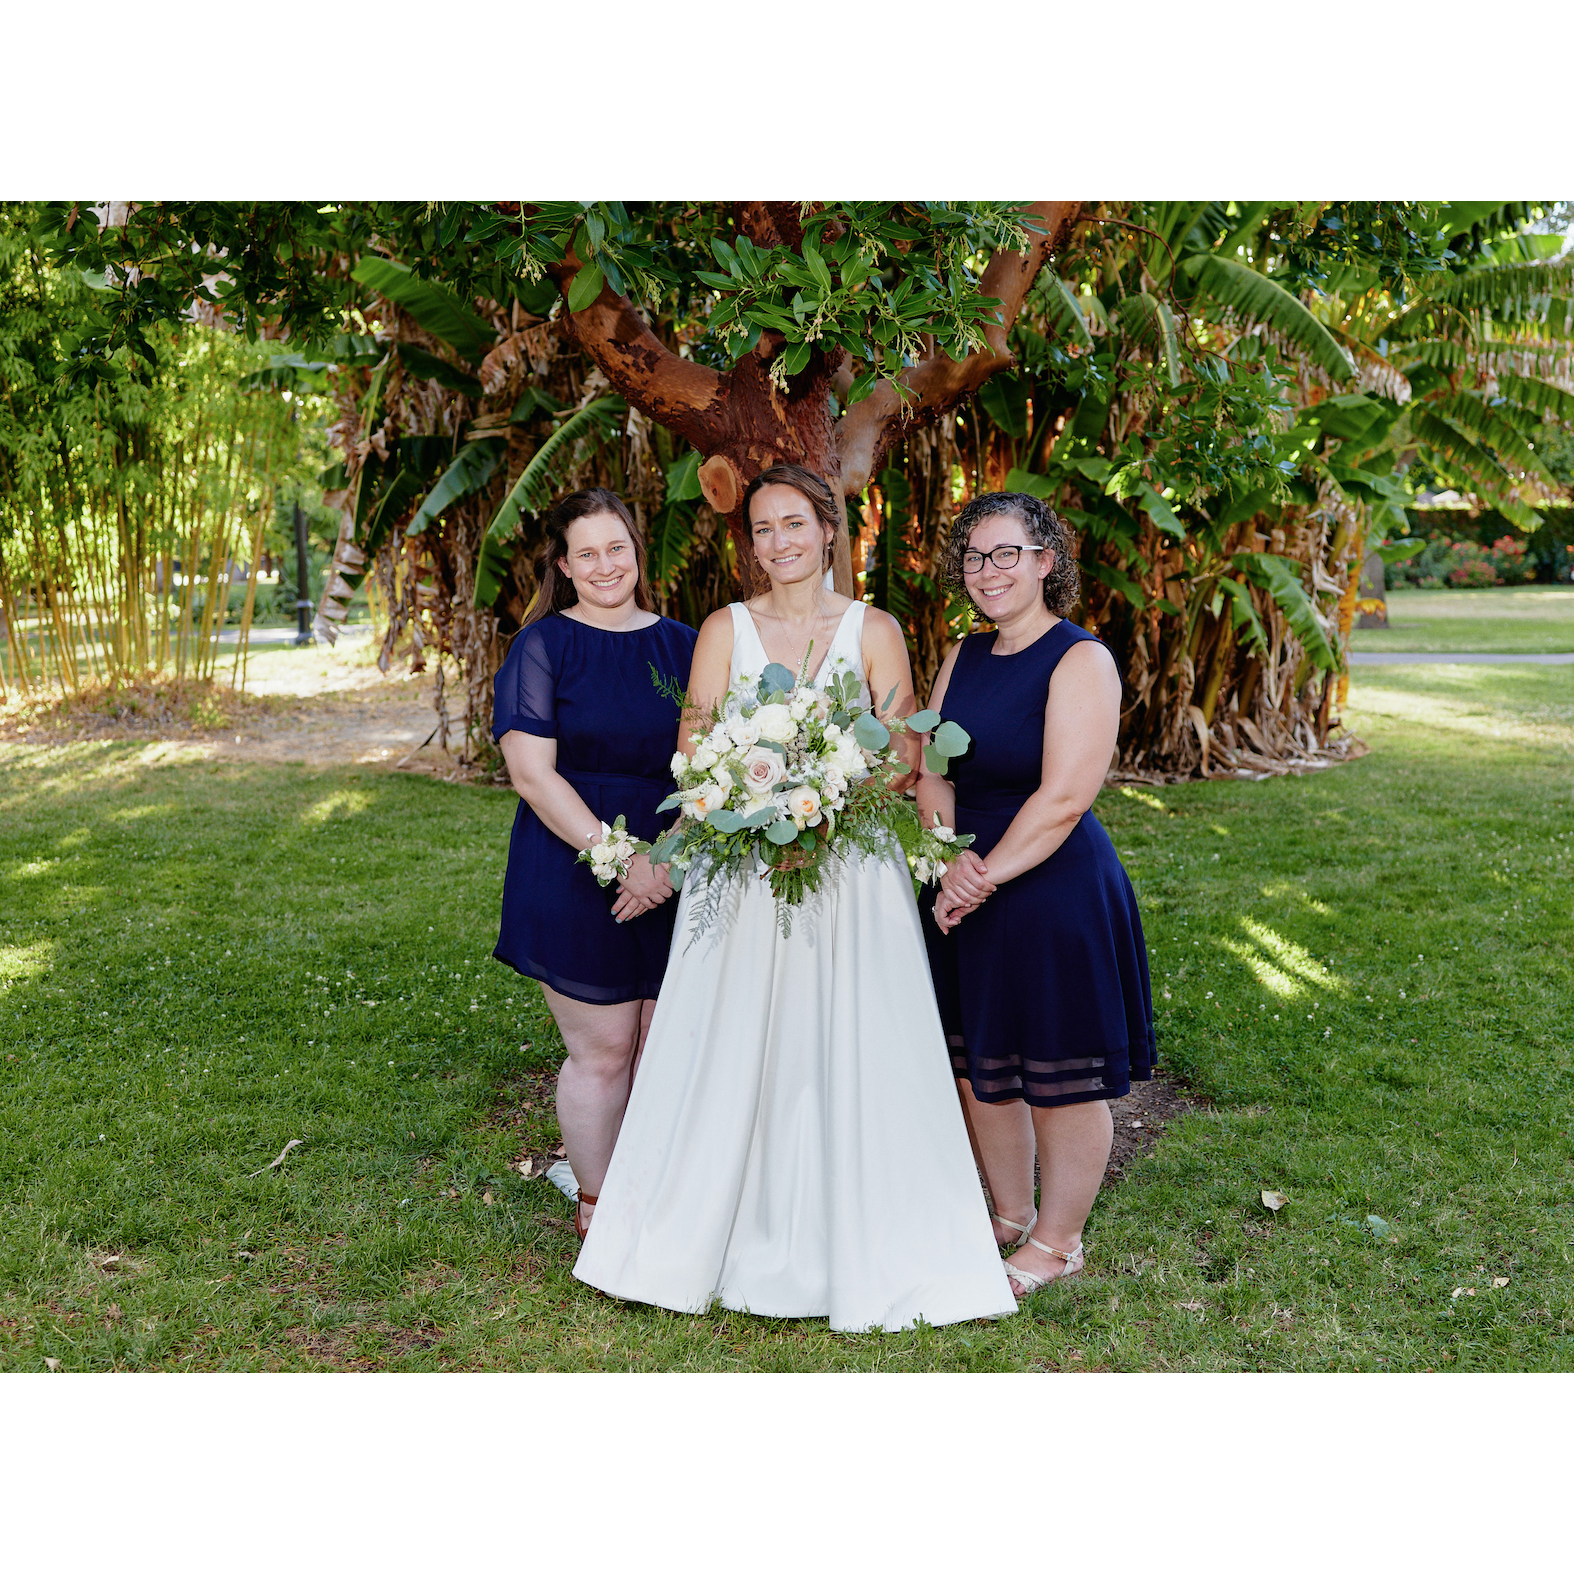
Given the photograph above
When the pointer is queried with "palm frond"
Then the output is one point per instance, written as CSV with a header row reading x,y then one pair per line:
x,y
1547,401
1148,322
1255,298
1492,427
473,466
1472,463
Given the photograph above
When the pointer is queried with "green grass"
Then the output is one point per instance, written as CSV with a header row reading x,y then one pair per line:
x,y
1511,620
1365,971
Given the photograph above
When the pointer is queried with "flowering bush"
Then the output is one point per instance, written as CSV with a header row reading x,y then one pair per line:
x,y
1466,565
789,777
1473,568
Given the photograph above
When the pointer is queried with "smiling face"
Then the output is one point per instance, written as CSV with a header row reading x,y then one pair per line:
x,y
601,561
1004,593
789,539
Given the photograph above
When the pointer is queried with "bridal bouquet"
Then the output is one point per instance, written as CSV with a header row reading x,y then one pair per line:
x,y
789,777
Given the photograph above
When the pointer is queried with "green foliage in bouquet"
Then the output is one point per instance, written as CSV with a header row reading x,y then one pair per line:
x,y
787,778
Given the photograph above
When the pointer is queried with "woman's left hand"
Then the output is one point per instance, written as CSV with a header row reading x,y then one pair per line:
x,y
966,879
950,910
643,889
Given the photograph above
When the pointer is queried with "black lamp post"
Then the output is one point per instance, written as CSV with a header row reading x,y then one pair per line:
x,y
303,605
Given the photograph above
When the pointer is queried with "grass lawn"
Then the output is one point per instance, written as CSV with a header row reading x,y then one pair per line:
x,y
1512,620
1364,972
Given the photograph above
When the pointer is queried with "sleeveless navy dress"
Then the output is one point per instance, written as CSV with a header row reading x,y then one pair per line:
x,y
592,690
1043,990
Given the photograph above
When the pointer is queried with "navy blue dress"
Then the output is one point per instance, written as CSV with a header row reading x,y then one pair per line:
x,y
1043,990
592,690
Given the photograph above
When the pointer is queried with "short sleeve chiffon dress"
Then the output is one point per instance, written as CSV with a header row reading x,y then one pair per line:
x,y
593,690
1043,990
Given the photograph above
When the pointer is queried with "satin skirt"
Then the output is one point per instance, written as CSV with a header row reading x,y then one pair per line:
x,y
794,1146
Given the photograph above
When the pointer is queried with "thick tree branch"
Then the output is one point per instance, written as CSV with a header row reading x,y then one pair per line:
x,y
939,384
684,397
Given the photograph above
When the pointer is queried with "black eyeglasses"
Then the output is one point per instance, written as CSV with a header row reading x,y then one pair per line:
x,y
1002,557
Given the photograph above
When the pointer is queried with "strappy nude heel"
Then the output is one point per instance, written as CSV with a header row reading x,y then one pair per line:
x,y
1025,1230
582,1230
1036,1281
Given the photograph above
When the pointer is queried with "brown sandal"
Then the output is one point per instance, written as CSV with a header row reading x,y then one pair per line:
x,y
582,1230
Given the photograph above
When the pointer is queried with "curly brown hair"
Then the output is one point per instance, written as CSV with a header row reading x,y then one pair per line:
x,y
1044,527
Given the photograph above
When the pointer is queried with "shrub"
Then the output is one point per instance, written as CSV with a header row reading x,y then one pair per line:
x,y
1511,561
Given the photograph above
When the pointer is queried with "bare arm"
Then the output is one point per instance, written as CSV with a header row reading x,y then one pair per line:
x,y
708,675
532,768
935,793
1081,726
886,667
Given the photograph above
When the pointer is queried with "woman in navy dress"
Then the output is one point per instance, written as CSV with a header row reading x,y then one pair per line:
x,y
587,736
1039,963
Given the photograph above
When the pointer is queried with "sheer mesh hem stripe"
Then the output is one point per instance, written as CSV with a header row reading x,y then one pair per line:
x,y
1041,1082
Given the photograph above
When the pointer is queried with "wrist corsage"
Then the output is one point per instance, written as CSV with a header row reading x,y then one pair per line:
x,y
609,859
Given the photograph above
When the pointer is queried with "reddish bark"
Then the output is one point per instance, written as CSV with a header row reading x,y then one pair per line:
x,y
741,423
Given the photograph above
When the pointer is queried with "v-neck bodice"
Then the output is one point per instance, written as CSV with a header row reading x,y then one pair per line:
x,y
749,659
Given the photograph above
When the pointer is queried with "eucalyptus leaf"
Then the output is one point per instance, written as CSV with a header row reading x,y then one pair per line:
x,y
725,820
776,679
671,801
872,734
923,720
950,740
840,718
934,761
762,817
781,832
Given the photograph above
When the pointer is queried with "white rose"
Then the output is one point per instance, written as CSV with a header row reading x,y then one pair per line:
x,y
944,833
832,734
744,731
603,854
775,724
704,757
680,763
921,870
722,777
799,707
762,769
848,758
713,797
803,804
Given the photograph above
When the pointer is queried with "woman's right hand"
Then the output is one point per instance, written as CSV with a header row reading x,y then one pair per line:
x,y
645,887
966,880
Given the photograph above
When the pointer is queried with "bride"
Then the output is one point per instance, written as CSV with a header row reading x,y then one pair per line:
x,y
793,1144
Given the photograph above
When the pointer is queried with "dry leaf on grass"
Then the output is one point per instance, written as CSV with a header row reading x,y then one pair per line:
x,y
1273,1201
1497,1284
1458,1291
52,1362
273,1164
1189,1306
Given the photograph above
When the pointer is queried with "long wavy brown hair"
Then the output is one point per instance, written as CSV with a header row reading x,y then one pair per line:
x,y
821,499
555,592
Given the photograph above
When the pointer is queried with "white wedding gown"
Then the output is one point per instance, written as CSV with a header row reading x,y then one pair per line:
x,y
793,1144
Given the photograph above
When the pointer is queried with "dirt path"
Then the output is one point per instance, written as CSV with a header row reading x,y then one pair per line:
x,y
322,706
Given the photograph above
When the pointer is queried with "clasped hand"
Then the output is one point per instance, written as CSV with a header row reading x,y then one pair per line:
x,y
645,887
964,886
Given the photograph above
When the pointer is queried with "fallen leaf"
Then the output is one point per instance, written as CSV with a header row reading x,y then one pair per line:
x,y
486,1197
527,1167
1273,1201
108,1264
1189,1306
1497,1284
52,1362
273,1164
1136,1125
112,1312
1458,1291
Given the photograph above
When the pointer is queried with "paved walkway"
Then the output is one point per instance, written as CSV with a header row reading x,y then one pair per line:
x,y
1459,658
286,636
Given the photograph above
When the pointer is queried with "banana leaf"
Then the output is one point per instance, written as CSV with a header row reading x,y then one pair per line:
x,y
1256,298
473,466
434,307
420,364
1275,575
